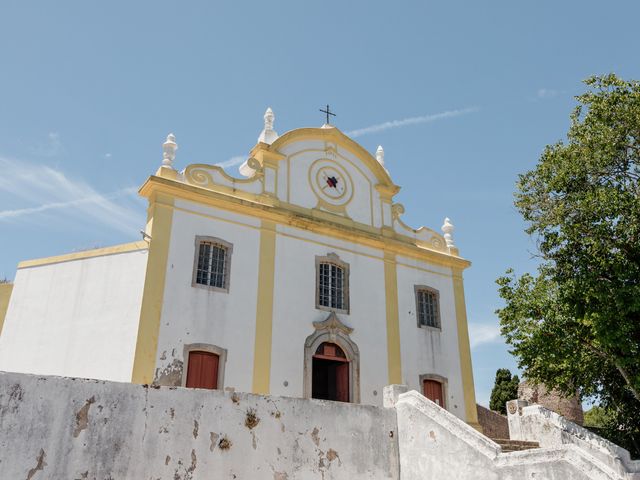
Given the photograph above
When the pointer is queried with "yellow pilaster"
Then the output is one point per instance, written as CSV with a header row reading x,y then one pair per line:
x,y
160,218
264,310
5,296
394,361
466,370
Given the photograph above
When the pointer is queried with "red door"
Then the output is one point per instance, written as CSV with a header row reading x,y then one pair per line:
x,y
342,382
432,389
202,371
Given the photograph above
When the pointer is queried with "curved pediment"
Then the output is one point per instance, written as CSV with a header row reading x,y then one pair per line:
x,y
324,171
335,136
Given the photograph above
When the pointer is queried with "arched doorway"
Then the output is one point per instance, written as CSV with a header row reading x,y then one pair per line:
x,y
330,373
332,354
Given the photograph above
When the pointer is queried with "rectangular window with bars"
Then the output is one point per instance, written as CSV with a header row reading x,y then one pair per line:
x,y
212,264
331,286
428,308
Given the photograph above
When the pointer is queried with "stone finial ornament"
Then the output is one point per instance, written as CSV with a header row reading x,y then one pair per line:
x,y
447,229
268,134
169,148
269,117
380,155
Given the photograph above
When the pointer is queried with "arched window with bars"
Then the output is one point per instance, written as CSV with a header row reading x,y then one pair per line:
x,y
427,307
332,284
212,263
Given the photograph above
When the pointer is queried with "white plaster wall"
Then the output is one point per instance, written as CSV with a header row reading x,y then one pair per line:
x,y
61,428
434,444
78,318
295,310
293,172
53,427
535,423
199,315
429,350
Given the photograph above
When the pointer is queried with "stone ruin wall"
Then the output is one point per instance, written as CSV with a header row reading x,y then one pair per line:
x,y
570,408
493,424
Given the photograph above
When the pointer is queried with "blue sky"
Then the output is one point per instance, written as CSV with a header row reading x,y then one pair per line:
x,y
89,91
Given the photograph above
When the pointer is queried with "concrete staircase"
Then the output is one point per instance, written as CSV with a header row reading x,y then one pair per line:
x,y
508,445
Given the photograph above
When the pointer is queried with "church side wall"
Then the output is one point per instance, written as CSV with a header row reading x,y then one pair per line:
x,y
75,318
425,350
199,315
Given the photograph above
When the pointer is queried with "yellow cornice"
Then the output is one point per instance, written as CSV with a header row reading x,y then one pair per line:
x,y
387,191
323,223
96,252
264,154
5,296
336,136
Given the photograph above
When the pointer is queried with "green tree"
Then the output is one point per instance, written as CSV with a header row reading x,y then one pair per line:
x,y
596,417
505,388
576,324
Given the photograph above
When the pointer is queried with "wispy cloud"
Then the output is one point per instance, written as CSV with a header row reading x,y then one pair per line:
x,y
547,93
42,189
483,333
233,161
50,148
411,121
92,199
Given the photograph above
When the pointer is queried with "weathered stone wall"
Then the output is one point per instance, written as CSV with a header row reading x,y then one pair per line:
x,y
552,431
65,428
570,407
61,428
493,424
434,444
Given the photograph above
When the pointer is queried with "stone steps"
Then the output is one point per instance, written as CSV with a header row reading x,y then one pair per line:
x,y
508,445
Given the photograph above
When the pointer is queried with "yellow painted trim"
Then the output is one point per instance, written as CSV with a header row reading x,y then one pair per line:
x,y
97,252
316,242
394,359
216,217
306,219
5,296
309,240
264,309
159,228
464,349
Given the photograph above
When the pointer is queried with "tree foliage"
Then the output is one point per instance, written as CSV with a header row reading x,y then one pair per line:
x,y
576,324
596,417
505,388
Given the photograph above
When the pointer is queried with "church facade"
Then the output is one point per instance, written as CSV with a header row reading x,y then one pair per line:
x,y
298,279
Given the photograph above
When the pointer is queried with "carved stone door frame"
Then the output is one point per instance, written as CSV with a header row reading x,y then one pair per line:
x,y
332,330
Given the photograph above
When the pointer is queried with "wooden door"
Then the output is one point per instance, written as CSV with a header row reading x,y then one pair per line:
x,y
342,382
202,371
432,389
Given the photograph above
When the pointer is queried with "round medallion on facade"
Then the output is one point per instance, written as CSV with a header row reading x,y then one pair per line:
x,y
331,182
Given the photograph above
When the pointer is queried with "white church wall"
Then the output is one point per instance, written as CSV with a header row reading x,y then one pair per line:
x,y
62,428
295,310
425,350
200,315
76,318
